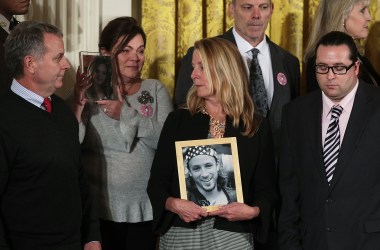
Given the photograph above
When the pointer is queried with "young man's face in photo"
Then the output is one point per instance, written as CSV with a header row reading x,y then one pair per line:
x,y
204,171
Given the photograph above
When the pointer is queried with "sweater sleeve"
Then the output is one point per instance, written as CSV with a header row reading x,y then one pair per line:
x,y
135,125
6,153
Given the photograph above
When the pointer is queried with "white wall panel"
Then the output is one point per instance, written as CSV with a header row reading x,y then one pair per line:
x,y
115,8
80,21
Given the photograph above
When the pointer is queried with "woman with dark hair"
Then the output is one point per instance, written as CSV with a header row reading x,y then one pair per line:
x,y
120,138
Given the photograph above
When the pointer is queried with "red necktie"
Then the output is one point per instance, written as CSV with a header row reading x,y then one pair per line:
x,y
47,104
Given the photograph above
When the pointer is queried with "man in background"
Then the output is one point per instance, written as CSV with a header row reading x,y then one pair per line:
x,y
280,69
329,162
45,203
8,8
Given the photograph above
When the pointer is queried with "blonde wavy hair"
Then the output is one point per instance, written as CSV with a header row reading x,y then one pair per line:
x,y
330,16
227,75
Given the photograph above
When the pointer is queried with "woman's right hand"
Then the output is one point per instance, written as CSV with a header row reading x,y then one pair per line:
x,y
80,87
79,98
188,211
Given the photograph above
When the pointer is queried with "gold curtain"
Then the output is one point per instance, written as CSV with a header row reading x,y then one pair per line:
x,y
372,45
172,26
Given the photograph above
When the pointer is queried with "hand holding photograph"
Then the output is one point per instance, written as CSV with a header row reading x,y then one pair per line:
x,y
209,172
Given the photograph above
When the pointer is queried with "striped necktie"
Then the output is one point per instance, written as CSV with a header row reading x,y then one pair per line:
x,y
332,143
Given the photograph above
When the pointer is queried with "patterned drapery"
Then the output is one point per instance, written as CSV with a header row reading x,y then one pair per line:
x,y
172,26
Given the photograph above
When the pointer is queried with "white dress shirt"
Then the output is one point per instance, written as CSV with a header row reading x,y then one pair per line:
x,y
264,61
347,102
27,94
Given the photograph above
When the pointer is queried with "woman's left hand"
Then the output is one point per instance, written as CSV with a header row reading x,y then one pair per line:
x,y
236,212
111,108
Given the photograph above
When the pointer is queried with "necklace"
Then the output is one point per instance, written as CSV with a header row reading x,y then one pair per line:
x,y
217,128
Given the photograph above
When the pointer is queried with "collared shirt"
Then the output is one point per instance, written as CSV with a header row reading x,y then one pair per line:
x,y
263,57
4,23
27,94
347,102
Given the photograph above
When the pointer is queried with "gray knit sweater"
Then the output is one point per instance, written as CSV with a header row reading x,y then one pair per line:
x,y
118,155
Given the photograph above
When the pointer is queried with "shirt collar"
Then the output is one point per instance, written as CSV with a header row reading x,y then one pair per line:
x,y
26,94
245,47
328,104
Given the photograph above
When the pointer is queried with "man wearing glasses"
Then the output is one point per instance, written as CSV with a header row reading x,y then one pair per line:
x,y
329,173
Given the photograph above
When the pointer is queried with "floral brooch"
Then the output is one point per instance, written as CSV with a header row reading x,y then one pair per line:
x,y
146,99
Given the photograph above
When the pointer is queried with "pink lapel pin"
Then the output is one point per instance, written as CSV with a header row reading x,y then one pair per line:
x,y
281,78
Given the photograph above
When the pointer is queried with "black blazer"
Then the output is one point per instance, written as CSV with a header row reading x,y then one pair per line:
x,y
256,159
5,77
282,62
366,72
346,215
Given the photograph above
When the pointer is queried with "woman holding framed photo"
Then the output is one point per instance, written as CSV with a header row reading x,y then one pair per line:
x,y
119,138
218,105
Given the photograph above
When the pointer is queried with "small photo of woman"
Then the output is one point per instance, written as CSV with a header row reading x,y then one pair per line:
x,y
100,70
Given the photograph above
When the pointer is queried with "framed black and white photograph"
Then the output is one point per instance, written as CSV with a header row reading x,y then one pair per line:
x,y
209,172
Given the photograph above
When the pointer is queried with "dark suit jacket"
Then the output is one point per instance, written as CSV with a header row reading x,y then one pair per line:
x,y
346,215
5,77
367,73
282,62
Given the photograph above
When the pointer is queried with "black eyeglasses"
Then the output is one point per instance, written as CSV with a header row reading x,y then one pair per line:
x,y
337,70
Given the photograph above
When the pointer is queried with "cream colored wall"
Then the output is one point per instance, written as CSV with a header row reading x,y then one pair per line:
x,y
81,22
115,8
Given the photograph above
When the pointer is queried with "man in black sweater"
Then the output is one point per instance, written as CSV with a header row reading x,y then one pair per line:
x,y
44,200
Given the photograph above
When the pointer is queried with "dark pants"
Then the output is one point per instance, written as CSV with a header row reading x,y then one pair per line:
x,y
123,236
